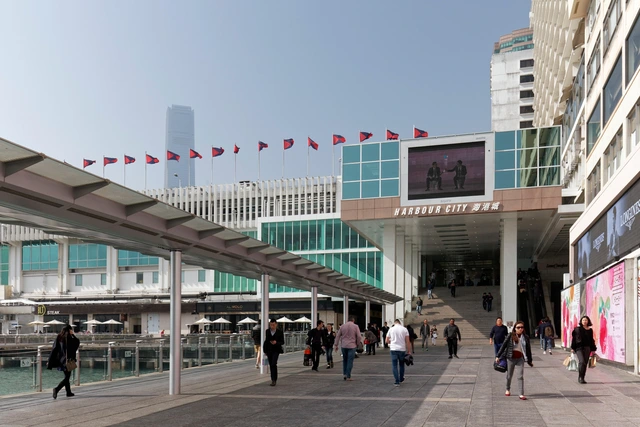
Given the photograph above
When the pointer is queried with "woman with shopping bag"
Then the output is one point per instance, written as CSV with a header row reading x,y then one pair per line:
x,y
583,345
516,348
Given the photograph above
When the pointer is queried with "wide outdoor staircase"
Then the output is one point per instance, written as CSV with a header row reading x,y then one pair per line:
x,y
474,322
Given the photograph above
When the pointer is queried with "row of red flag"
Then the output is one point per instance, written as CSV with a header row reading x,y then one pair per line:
x,y
219,151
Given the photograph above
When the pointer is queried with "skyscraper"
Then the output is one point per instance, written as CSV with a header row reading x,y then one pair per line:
x,y
180,138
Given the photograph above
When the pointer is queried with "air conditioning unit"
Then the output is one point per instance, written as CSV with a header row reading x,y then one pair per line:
x,y
72,270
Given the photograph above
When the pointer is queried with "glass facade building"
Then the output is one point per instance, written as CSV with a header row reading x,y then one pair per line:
x,y
4,265
39,256
87,255
134,259
371,170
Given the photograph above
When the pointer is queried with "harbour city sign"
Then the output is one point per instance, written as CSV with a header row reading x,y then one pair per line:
x,y
446,209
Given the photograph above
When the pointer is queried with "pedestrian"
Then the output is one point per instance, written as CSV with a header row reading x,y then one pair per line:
x,y
273,348
419,306
546,331
255,334
425,333
412,337
370,340
349,339
497,335
331,339
541,337
317,340
64,350
377,332
434,335
399,342
452,287
484,300
432,284
385,330
489,301
583,345
452,336
517,350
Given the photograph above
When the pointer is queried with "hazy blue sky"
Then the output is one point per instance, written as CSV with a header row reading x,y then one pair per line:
x,y
84,79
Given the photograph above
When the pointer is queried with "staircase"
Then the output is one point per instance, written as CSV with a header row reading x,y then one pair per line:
x,y
474,322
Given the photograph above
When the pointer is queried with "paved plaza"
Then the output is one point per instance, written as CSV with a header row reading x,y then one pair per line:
x,y
437,392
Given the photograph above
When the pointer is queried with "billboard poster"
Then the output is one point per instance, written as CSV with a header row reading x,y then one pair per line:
x,y
605,304
615,234
451,170
570,312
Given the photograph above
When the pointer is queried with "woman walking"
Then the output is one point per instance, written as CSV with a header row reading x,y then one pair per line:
x,y
331,339
583,344
64,349
516,348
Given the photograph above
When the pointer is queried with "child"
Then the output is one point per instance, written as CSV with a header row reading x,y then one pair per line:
x,y
434,334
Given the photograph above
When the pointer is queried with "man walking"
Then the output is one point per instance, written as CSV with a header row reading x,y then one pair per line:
x,y
349,339
489,301
317,339
419,306
424,334
273,348
545,330
398,340
432,284
497,335
452,335
385,331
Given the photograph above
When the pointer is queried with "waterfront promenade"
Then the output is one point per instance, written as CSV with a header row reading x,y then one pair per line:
x,y
437,392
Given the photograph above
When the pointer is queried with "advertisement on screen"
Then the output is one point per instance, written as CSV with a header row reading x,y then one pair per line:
x,y
570,312
605,304
446,171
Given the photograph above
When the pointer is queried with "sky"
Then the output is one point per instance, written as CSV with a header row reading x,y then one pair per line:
x,y
80,80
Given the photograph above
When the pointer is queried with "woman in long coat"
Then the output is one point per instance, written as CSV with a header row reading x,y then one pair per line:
x,y
64,348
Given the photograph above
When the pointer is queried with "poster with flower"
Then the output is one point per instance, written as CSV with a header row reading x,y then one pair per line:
x,y
570,312
605,307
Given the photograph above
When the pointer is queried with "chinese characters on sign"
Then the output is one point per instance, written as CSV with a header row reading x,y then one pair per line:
x,y
448,209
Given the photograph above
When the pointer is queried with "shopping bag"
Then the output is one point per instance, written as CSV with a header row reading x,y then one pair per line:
x,y
566,361
501,365
573,363
592,361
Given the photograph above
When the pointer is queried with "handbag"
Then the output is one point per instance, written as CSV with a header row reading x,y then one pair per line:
x,y
367,342
573,363
500,366
566,361
71,364
359,348
592,361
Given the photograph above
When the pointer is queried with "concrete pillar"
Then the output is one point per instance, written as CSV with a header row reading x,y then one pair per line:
x,y
367,313
509,270
264,316
63,266
408,279
389,266
15,267
112,269
384,314
164,275
415,269
314,306
399,277
175,357
345,311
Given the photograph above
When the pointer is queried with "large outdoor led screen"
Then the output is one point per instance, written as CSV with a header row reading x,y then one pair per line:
x,y
453,170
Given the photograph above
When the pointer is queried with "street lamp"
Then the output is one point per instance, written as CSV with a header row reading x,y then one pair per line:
x,y
179,180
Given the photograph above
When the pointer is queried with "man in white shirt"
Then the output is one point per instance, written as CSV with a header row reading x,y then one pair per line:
x,y
399,345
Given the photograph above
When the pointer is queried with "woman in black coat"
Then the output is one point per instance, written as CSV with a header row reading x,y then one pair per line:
x,y
273,348
516,348
583,344
64,348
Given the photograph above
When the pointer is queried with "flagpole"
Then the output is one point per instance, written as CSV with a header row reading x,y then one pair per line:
x,y
307,156
145,171
333,159
103,166
124,173
235,166
189,170
212,165
258,164
283,150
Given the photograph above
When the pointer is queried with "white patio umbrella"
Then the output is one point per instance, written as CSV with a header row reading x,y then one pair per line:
x,y
303,319
220,321
55,322
247,321
203,321
112,322
93,322
284,319
36,323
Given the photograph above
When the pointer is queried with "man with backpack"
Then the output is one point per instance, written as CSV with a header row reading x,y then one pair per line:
x,y
546,331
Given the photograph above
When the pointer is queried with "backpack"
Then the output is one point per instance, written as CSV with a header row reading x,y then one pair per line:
x,y
548,331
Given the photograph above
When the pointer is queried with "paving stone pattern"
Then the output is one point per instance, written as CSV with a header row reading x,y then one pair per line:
x,y
437,392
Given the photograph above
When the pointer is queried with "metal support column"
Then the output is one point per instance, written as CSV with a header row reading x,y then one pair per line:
x,y
175,353
345,309
39,367
137,361
367,313
200,339
78,366
110,360
264,317
314,306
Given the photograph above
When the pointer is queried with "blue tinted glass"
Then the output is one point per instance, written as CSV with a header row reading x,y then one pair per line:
x,y
505,160
370,152
390,188
351,154
390,169
505,140
371,170
549,176
351,172
390,150
505,179
370,189
350,190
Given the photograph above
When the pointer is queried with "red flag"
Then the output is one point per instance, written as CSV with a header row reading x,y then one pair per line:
x,y
311,143
417,133
86,163
215,152
152,160
288,143
172,156
236,149
339,139
262,145
109,160
391,135
193,154
129,159
363,136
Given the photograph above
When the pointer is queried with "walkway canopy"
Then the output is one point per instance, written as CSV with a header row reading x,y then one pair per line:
x,y
60,199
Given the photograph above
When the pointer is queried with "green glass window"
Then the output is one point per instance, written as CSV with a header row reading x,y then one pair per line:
x,y
549,176
87,255
527,178
370,152
390,188
505,141
505,179
370,171
155,277
39,256
549,137
132,259
527,158
612,91
527,138
550,156
225,282
505,160
4,265
350,190
313,235
351,172
593,128
78,279
351,154
202,276
103,279
390,150
390,169
370,189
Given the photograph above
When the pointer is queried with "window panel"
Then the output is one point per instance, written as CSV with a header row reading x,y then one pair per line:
x,y
549,176
527,178
351,154
505,179
303,231
390,169
328,234
103,279
78,279
202,276
612,91
505,141
370,171
390,150
505,160
370,152
313,235
389,188
633,50
351,173
550,156
350,190
549,137
370,189
140,278
528,138
593,128
337,234
527,158
593,68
